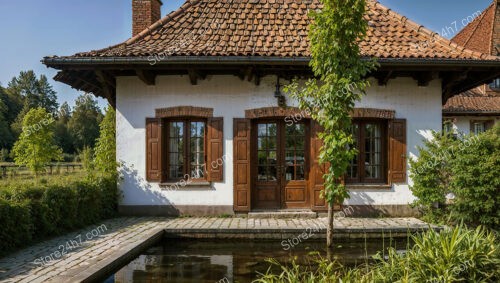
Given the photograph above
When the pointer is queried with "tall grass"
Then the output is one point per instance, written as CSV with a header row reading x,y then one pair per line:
x,y
455,255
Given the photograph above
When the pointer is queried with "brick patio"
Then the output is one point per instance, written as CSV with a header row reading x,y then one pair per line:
x,y
108,245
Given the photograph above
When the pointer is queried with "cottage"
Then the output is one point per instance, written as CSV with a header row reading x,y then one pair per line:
x,y
478,109
204,127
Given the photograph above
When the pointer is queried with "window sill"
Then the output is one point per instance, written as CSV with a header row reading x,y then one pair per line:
x,y
368,187
180,185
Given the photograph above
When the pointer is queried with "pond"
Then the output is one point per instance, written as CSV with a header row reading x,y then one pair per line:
x,y
183,260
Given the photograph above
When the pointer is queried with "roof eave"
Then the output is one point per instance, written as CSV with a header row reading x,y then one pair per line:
x,y
229,60
470,113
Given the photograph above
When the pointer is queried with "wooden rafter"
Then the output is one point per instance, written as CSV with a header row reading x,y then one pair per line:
x,y
147,77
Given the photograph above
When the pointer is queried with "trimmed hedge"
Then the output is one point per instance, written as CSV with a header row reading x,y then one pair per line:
x,y
30,212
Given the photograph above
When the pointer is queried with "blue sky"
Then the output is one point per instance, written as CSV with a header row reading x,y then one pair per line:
x,y
32,29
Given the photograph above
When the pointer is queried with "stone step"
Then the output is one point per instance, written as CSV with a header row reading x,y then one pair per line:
x,y
303,214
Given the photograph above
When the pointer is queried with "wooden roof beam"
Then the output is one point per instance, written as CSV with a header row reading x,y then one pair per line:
x,y
147,77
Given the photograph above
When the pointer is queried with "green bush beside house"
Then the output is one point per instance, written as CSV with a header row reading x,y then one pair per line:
x,y
30,212
456,179
34,210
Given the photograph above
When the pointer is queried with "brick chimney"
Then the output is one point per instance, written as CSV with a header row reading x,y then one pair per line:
x,y
495,50
144,14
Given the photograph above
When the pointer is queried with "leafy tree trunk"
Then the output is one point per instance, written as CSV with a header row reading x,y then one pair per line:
x,y
340,80
329,230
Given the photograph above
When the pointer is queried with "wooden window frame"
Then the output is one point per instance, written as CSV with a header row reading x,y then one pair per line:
x,y
361,179
187,151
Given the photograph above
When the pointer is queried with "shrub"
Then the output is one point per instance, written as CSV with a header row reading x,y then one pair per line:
x,y
454,255
17,225
464,168
32,211
86,157
431,176
476,180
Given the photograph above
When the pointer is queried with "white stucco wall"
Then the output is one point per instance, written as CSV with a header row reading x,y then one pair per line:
x,y
230,97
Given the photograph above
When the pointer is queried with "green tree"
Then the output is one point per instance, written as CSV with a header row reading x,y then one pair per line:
x,y
340,80
105,150
6,138
62,134
34,92
36,146
83,125
4,154
13,102
86,156
64,113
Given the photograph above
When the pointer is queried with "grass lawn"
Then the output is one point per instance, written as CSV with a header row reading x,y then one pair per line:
x,y
56,179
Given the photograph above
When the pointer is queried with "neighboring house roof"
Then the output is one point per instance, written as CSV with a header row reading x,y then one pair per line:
x,y
277,28
474,101
478,35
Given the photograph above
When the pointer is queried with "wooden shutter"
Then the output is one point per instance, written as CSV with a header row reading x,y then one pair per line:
x,y
317,170
215,151
397,151
241,163
154,155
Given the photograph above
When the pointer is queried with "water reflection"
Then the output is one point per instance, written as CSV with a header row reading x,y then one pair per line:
x,y
230,261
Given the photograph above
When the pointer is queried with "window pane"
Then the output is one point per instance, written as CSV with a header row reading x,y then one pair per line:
x,y
294,153
299,173
176,150
299,157
197,149
478,128
262,173
176,129
289,173
266,154
373,147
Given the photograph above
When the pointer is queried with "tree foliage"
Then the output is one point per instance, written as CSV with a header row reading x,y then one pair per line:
x,y
340,80
37,92
62,133
105,150
431,176
33,92
36,147
6,138
9,107
464,169
27,91
475,180
84,122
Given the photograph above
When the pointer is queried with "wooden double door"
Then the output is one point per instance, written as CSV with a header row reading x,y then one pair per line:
x,y
280,164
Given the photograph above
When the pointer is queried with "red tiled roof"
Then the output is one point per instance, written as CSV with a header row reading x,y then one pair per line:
x,y
478,34
473,101
275,28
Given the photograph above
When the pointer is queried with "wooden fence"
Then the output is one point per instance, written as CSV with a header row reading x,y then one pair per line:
x,y
14,170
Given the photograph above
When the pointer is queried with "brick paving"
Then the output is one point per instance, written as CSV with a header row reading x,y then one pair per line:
x,y
99,246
